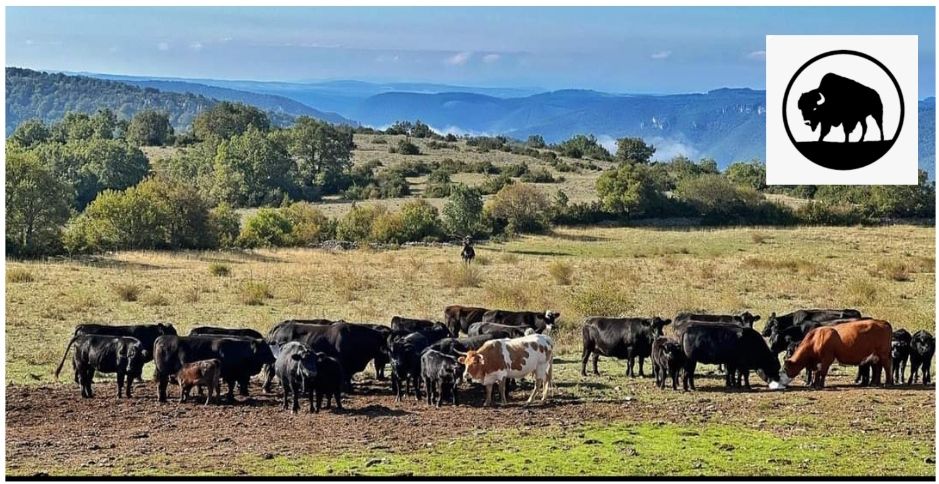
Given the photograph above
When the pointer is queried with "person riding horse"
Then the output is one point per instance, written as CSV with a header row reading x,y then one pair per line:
x,y
468,253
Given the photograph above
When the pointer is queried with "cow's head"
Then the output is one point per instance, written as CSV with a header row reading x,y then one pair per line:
x,y
545,323
770,373
262,351
658,324
474,365
134,354
307,360
780,340
771,324
899,349
747,319
166,329
811,105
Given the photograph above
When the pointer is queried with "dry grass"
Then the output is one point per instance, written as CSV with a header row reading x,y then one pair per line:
x,y
152,298
420,281
126,291
19,275
758,238
219,269
893,270
562,272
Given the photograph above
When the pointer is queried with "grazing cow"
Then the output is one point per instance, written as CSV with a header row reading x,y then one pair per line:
x,y
500,359
540,322
145,333
922,348
778,323
202,373
239,332
459,318
467,254
241,358
791,350
411,325
459,346
739,349
496,330
900,353
852,343
780,339
330,378
668,359
354,345
841,101
108,354
296,369
623,338
441,373
406,364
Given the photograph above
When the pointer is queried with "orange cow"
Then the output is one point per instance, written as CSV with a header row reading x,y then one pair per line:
x,y
866,341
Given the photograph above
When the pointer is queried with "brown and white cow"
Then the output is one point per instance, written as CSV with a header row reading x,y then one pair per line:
x,y
501,359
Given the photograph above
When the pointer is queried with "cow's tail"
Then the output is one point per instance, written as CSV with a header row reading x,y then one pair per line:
x,y
67,348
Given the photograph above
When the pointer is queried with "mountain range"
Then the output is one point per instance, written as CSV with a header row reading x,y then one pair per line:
x,y
725,124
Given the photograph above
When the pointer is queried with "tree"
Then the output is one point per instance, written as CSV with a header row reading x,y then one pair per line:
x,y
580,146
227,119
752,174
251,170
268,227
30,133
535,141
73,127
522,207
633,150
104,122
323,153
463,211
149,128
630,189
716,198
419,220
38,205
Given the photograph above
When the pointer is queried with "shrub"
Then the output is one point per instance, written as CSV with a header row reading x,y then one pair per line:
x,y
493,184
225,225
562,272
405,147
515,170
388,228
893,270
253,293
828,213
19,275
155,299
462,214
220,270
126,291
539,175
308,224
463,275
523,208
419,221
267,228
356,224
601,297
630,189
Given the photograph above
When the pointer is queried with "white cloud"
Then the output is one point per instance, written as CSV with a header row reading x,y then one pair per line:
x,y
757,55
164,46
662,54
491,58
458,59
196,46
607,142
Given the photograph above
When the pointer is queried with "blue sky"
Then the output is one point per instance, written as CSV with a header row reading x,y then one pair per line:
x,y
627,49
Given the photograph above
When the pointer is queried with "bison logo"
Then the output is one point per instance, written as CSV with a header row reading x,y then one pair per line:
x,y
839,91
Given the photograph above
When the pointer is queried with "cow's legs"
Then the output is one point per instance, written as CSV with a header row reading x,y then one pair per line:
x,y
534,390
927,371
488,395
430,385
641,372
914,368
888,369
848,129
674,380
825,128
161,388
502,385
688,381
863,128
629,366
596,359
584,356
268,377
120,384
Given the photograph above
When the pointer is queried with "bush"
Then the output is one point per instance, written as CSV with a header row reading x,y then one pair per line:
x,y
225,225
631,189
267,228
356,224
523,208
419,221
308,224
515,170
562,273
462,214
17,275
219,270
719,201
828,213
539,175
405,147
495,183
126,291
253,293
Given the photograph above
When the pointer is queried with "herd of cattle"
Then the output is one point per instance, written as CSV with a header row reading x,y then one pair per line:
x,y
317,358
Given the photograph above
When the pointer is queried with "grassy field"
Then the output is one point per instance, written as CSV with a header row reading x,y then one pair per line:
x,y
607,425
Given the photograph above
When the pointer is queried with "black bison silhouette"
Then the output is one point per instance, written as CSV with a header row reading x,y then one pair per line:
x,y
841,101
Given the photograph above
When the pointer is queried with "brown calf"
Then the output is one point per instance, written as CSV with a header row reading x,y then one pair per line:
x,y
202,373
459,318
853,343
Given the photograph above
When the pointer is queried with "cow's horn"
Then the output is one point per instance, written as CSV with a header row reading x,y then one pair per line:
x,y
821,98
459,352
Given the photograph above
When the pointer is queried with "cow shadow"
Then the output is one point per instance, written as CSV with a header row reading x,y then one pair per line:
x,y
539,252
373,411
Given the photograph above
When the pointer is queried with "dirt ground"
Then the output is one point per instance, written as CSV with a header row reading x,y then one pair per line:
x,y
50,429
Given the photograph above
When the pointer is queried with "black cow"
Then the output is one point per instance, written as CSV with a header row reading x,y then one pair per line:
x,y
922,349
434,333
441,373
496,330
540,322
380,361
623,338
668,359
778,323
330,378
406,364
739,349
459,318
410,325
108,354
780,339
241,358
145,333
239,332
841,101
744,319
900,352
296,369
354,345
